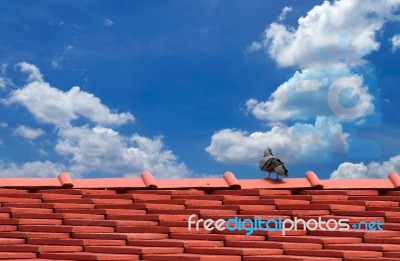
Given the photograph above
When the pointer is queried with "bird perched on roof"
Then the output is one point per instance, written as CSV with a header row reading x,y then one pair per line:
x,y
270,163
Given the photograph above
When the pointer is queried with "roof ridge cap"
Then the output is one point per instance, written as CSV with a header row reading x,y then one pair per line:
x,y
231,180
148,180
394,178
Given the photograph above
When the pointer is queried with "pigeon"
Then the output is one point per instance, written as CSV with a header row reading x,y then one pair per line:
x,y
270,163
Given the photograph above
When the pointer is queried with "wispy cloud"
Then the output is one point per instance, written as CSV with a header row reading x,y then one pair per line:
x,y
4,67
3,83
255,46
395,40
28,132
108,22
59,59
285,11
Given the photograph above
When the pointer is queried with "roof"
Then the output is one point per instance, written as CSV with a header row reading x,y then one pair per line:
x,y
147,219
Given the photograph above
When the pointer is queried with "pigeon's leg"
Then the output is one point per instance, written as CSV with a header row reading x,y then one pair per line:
x,y
269,176
277,176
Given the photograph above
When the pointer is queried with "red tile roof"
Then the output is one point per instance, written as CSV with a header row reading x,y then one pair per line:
x,y
147,219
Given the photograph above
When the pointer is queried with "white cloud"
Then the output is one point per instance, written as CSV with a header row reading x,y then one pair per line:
x,y
3,124
34,74
42,152
59,59
338,30
348,170
325,90
102,149
359,20
2,83
5,82
285,11
335,85
28,133
31,169
4,67
291,144
395,40
255,46
108,22
51,105
86,149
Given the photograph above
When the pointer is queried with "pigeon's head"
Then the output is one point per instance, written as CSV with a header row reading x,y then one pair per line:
x,y
268,152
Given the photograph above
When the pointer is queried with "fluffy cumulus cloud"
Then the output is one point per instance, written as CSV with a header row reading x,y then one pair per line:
x,y
395,40
292,144
333,93
94,147
28,133
358,20
348,170
329,61
31,169
105,150
51,105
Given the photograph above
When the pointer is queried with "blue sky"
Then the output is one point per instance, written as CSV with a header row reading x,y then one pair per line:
x,y
195,88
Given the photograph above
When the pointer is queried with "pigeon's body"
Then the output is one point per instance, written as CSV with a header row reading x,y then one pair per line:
x,y
270,163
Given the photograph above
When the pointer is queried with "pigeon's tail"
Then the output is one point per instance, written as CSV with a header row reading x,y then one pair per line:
x,y
281,170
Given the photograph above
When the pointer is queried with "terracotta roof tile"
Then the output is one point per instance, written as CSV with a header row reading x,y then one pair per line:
x,y
378,259
88,256
192,257
315,239
380,240
147,219
240,251
334,253
134,250
392,254
17,255
364,247
176,243
273,244
291,258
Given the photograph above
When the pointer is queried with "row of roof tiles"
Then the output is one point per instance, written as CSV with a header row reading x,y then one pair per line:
x,y
142,224
228,180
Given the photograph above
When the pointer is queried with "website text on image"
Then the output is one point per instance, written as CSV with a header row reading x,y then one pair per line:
x,y
279,224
